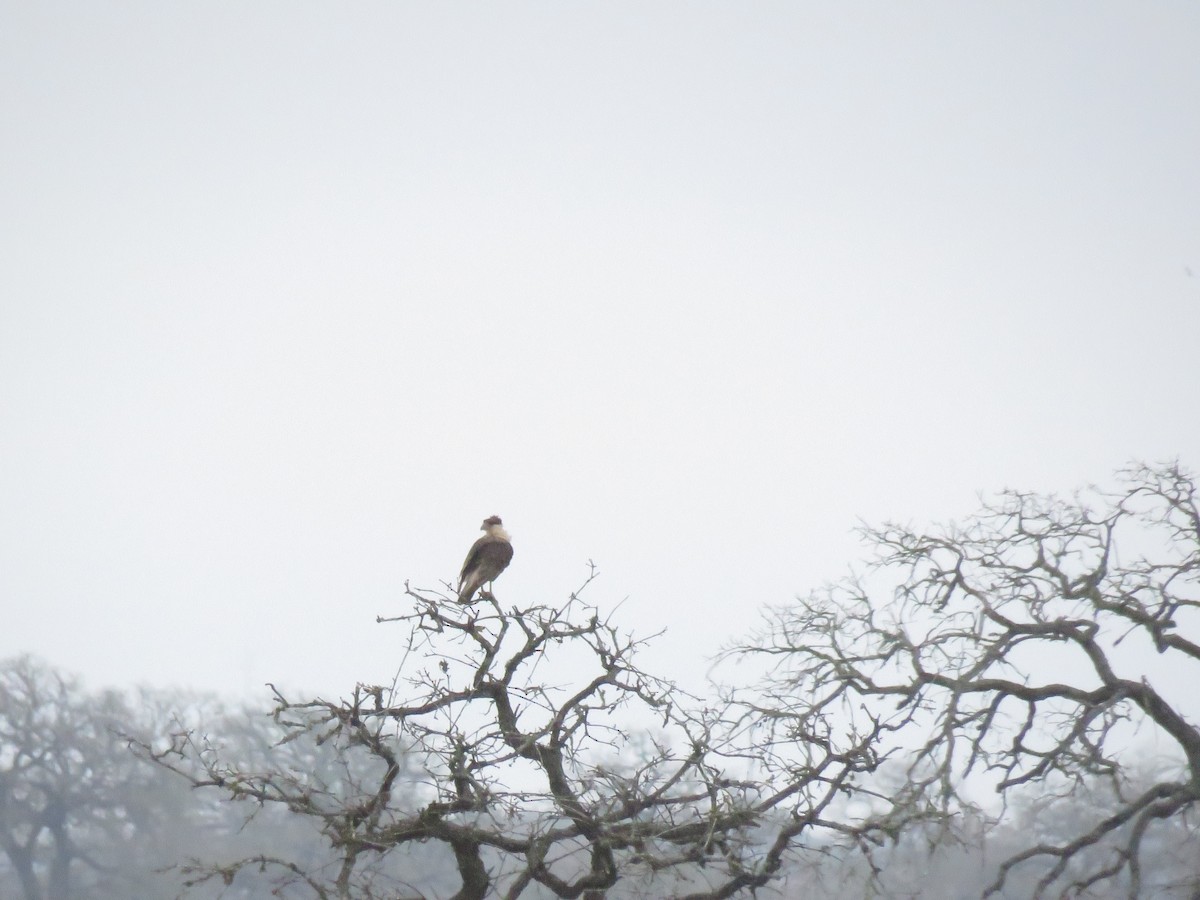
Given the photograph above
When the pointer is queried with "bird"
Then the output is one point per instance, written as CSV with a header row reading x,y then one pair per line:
x,y
489,556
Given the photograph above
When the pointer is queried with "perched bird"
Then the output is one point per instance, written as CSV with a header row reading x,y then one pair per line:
x,y
489,556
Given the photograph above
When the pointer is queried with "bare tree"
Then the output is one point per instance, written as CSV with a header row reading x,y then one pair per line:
x,y
530,751
1042,646
73,800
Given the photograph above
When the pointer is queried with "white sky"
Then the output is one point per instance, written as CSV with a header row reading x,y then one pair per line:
x,y
293,295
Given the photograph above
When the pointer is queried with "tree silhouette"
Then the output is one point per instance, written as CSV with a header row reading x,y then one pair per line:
x,y
1042,645
75,805
529,747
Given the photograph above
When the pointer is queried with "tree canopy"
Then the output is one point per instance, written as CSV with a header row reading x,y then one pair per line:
x,y
1042,648
1001,706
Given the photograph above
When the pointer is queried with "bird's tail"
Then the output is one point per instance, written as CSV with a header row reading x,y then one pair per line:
x,y
467,589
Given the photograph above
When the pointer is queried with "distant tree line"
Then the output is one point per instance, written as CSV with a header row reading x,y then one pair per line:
x,y
1000,707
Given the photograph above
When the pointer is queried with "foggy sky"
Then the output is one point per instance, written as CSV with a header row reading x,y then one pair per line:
x,y
294,295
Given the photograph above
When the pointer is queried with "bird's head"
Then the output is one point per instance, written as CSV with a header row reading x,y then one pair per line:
x,y
489,522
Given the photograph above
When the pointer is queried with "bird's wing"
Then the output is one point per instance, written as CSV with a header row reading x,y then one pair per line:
x,y
496,556
489,557
473,557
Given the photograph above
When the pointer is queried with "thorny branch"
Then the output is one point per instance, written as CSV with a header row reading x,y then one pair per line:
x,y
529,744
1023,648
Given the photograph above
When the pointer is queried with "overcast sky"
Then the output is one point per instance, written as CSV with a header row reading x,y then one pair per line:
x,y
293,295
